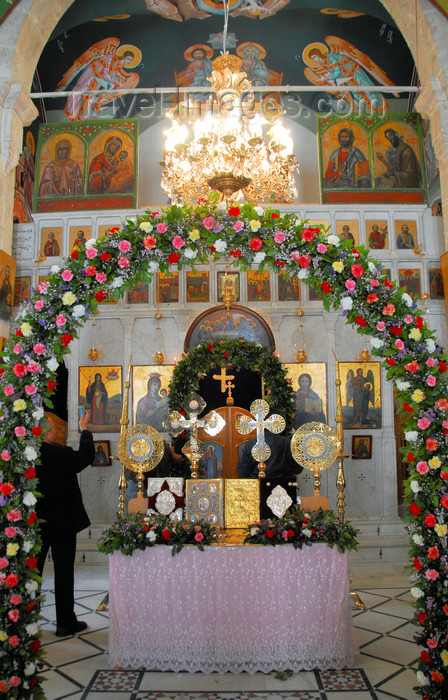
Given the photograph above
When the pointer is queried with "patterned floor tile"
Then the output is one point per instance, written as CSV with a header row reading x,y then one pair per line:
x,y
290,695
114,681
347,679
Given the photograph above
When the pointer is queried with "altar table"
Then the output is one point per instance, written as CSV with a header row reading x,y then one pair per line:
x,y
232,608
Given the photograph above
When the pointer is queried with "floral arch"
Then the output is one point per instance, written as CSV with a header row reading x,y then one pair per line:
x,y
348,278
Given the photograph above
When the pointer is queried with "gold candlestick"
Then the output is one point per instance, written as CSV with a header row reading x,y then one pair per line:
x,y
124,422
340,482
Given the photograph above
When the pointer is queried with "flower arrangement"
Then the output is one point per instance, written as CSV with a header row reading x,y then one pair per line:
x,y
299,527
246,236
139,531
236,354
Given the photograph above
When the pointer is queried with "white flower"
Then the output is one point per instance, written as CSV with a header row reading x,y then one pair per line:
x,y
254,530
30,453
28,498
151,535
31,586
417,592
38,413
411,435
26,329
79,310
307,532
117,282
303,273
27,546
32,629
418,539
430,345
372,266
347,303
421,678
259,257
407,299
259,211
415,486
153,266
132,220
222,206
220,245
190,254
146,226
376,343
402,385
55,269
91,243
29,669
335,240
52,364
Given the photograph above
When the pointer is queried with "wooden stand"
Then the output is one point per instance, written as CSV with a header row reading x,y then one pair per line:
x,y
315,502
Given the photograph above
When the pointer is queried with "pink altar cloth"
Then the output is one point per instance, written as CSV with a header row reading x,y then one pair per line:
x,y
232,608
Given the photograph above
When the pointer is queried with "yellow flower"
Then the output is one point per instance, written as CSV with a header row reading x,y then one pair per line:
x,y
444,657
194,235
11,549
415,334
146,226
19,405
25,329
441,530
254,225
434,462
338,266
3,636
418,396
68,298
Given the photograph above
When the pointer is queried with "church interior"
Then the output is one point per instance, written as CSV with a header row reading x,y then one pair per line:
x,y
91,95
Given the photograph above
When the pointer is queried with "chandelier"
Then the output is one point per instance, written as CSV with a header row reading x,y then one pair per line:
x,y
226,150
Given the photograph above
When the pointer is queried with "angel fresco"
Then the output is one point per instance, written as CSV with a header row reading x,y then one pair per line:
x,y
344,64
360,390
104,65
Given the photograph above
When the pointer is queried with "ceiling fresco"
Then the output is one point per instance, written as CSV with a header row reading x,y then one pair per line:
x,y
154,43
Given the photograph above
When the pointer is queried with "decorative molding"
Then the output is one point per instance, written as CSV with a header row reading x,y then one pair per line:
x,y
17,111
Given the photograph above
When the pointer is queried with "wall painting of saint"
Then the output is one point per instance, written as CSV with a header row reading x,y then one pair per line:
x,y
7,287
22,290
258,285
198,286
349,231
406,235
78,236
377,236
167,287
409,278
361,395
51,242
288,288
150,386
436,284
100,393
309,381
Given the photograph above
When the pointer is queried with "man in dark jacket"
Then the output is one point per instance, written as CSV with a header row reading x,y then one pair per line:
x,y
280,464
61,509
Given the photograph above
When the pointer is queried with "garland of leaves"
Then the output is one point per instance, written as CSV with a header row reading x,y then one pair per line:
x,y
348,278
235,354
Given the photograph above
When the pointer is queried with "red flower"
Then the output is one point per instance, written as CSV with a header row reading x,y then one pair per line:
x,y
19,369
414,509
280,263
235,253
12,580
437,677
371,298
105,256
442,367
290,533
408,408
226,354
421,617
425,656
256,243
166,534
36,431
305,261
431,444
325,286
419,322
307,235
234,211
433,553
18,332
270,533
74,254
66,339
274,215
6,488
101,295
361,321
388,283
91,271
357,270
445,609
31,562
417,564
444,475
32,518
410,457
412,366
30,473
173,258
212,248
390,361
396,330
50,386
444,501
430,520
114,229
35,646
210,347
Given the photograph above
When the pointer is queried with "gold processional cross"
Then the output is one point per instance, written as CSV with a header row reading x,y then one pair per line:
x,y
275,424
212,423
226,384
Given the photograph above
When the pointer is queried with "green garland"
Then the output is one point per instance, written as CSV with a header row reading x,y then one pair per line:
x,y
235,354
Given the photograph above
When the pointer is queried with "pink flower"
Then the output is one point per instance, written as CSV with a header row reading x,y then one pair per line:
x,y
357,270
197,528
350,285
5,456
374,283
15,599
408,319
381,326
389,309
295,255
30,389
14,681
60,320
17,349
256,243
19,369
100,277
9,390
13,615
322,248
422,467
3,564
432,643
33,367
14,640
10,532
39,348
399,344
423,423
280,236
161,228
20,431
412,366
430,362
199,537
67,275
431,381
238,226
123,262
39,305
13,515
445,424
42,288
178,241
149,242
432,574
91,253
208,222
124,246
307,235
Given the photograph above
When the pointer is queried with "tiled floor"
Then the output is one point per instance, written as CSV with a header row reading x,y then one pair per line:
x,y
77,667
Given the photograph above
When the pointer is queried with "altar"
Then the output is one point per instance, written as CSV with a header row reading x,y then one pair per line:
x,y
231,609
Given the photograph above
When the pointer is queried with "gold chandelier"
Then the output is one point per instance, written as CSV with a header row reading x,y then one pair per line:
x,y
227,150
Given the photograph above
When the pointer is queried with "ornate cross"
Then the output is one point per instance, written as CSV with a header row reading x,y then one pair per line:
x,y
275,424
225,379
212,423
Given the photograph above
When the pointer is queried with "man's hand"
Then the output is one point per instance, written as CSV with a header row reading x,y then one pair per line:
x,y
84,421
